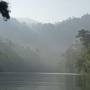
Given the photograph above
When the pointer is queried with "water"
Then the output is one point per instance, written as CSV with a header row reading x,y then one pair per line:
x,y
38,81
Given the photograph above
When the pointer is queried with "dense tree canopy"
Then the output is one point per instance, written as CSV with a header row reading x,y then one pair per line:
x,y
84,36
83,61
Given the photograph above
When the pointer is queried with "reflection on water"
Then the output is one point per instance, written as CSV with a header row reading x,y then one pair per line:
x,y
43,81
83,82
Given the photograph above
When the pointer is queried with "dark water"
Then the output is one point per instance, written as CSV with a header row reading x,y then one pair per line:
x,y
39,81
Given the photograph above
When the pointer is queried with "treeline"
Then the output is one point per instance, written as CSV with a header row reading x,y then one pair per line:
x,y
83,62
14,58
78,55
78,59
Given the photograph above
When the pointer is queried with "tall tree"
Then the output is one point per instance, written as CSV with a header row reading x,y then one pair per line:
x,y
83,61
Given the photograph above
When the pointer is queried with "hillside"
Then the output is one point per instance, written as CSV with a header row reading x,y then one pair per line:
x,y
43,44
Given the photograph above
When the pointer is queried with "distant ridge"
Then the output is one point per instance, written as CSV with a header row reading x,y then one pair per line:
x,y
47,42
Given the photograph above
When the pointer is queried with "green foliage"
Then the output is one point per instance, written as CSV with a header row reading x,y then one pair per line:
x,y
84,36
83,62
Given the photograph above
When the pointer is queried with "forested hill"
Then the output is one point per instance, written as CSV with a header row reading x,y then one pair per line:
x,y
41,44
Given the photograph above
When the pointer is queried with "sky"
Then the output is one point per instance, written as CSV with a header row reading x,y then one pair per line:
x,y
48,10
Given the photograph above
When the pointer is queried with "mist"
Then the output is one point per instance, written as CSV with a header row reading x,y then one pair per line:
x,y
38,47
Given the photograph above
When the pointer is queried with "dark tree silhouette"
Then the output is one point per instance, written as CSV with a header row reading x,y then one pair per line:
x,y
4,10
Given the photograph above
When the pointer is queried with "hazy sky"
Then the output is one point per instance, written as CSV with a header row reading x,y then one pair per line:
x,y
49,10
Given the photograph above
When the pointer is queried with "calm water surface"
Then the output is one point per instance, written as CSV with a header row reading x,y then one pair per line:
x,y
38,81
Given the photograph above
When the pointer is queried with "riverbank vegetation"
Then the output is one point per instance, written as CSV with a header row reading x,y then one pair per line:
x,y
83,60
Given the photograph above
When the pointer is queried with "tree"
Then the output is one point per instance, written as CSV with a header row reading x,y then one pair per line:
x,y
84,36
4,10
83,61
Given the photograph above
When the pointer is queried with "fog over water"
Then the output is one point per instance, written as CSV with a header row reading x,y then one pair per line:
x,y
45,45
39,56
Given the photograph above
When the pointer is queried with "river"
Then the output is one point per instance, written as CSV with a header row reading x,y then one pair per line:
x,y
38,81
